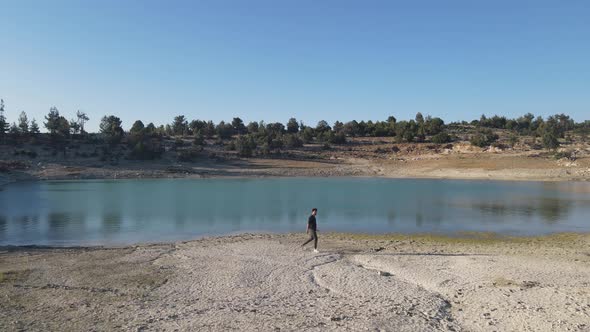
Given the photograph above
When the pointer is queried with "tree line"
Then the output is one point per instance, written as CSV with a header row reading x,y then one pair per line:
x,y
145,141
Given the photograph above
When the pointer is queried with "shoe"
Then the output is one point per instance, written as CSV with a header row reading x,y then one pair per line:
x,y
316,251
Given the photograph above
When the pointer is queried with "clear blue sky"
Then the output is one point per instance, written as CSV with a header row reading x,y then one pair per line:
x,y
272,60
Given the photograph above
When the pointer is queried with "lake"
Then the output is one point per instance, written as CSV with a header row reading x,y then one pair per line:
x,y
130,211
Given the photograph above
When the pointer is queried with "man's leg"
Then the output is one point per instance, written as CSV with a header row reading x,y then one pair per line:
x,y
315,240
309,240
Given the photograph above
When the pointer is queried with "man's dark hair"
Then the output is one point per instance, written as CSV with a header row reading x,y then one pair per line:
x,y
314,209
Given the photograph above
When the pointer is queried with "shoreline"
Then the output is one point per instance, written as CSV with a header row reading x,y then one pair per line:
x,y
459,237
267,282
32,178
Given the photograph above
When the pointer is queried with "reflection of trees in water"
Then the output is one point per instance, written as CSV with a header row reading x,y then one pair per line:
x,y
27,222
111,222
419,219
3,222
57,221
391,216
551,210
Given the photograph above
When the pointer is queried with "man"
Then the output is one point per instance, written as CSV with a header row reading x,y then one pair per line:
x,y
312,230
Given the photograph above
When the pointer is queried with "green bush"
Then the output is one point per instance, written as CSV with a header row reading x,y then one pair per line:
x,y
441,138
187,155
146,150
513,140
483,138
245,145
199,139
550,141
338,138
292,141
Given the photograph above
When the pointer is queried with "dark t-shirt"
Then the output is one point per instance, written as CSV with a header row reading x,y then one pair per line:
x,y
311,223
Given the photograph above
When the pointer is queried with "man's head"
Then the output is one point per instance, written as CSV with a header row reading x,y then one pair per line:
x,y
314,211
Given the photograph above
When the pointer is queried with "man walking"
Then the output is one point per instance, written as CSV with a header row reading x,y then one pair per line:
x,y
312,230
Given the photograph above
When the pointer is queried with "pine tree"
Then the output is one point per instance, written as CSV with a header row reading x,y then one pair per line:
x,y
23,123
3,123
34,129
52,118
82,118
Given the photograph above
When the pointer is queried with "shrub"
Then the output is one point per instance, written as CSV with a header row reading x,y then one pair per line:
x,y
292,141
441,138
338,138
513,140
187,155
245,145
564,154
231,146
199,139
146,150
550,141
483,138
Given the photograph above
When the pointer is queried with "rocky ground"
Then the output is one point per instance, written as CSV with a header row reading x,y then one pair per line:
x,y
267,282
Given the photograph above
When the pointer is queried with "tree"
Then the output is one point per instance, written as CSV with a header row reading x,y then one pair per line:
x,y
238,126
209,129
52,120
63,127
224,130
180,125
275,128
322,126
292,126
196,125
419,118
199,139
351,128
338,126
74,126
13,129
434,126
138,128
308,134
110,126
82,118
550,141
253,127
245,144
292,141
23,123
34,129
3,122
150,129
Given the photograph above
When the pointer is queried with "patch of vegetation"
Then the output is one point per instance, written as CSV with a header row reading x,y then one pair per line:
x,y
441,138
483,138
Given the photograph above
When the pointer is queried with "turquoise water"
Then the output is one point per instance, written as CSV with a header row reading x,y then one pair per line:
x,y
131,211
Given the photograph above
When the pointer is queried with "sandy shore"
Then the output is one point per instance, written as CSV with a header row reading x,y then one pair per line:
x,y
268,283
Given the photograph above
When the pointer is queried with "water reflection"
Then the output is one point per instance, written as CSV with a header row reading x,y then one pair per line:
x,y
111,222
152,210
550,210
3,223
553,209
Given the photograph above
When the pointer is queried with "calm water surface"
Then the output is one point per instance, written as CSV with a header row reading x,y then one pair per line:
x,y
130,211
